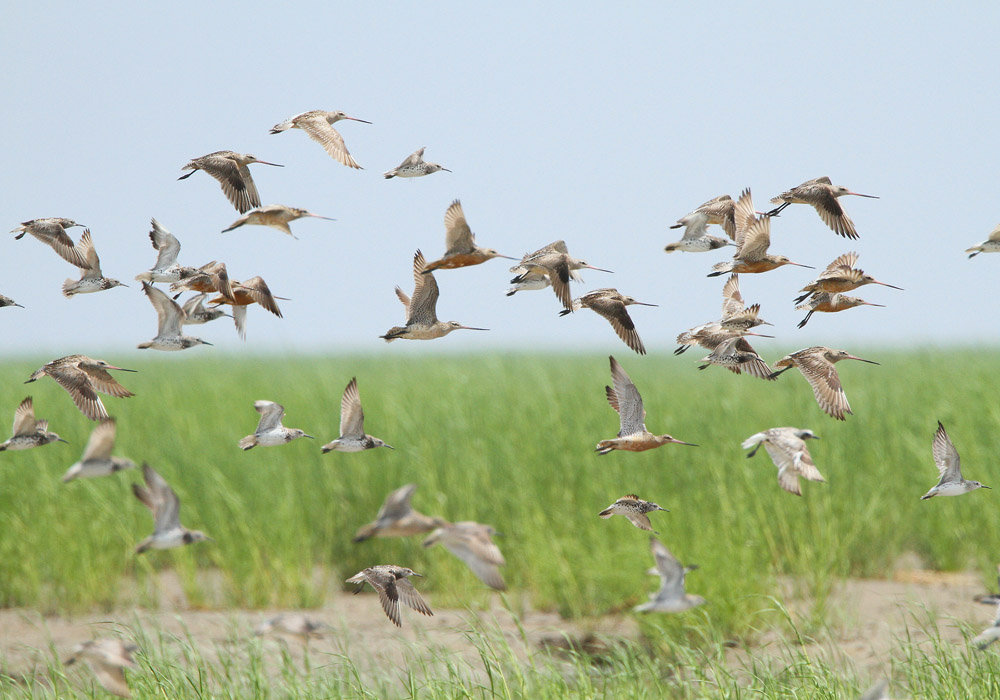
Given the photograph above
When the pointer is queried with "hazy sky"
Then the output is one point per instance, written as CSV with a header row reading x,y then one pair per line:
x,y
600,127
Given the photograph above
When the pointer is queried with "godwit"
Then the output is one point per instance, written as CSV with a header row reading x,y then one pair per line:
x,y
230,169
210,278
460,242
108,659
821,195
396,518
392,583
166,508
840,276
990,245
830,303
633,508
319,125
671,596
276,216
471,542
52,232
195,312
610,303
415,166
737,320
253,291
82,377
28,431
91,278
7,301
949,467
633,435
169,318
720,210
788,451
295,624
735,354
421,314
270,431
753,237
817,366
166,268
352,425
696,238
534,277
990,634
97,459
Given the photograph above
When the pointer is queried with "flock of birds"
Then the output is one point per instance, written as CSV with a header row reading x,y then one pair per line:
x,y
213,291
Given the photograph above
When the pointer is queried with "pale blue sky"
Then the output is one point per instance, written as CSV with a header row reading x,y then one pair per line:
x,y
600,127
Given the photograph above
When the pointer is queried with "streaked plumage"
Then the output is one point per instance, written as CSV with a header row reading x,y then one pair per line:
x,y
788,451
210,278
166,267
414,165
840,276
7,301
91,278
671,597
230,169
195,312
82,377
460,243
610,304
270,431
52,232
252,291
28,431
472,543
633,508
949,467
720,210
108,659
319,125
169,319
822,196
735,354
352,425
163,503
528,276
392,585
817,366
830,303
990,245
696,238
276,216
397,518
753,238
97,459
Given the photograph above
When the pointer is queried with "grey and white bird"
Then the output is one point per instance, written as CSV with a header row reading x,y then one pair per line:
x,y
97,459
879,690
294,624
414,165
352,425
559,261
949,467
990,245
788,451
720,210
166,268
195,312
735,354
990,634
28,431
392,584
696,238
270,431
633,508
108,659
319,125
7,301
671,597
472,543
52,232
230,169
82,377
163,503
91,278
397,518
169,319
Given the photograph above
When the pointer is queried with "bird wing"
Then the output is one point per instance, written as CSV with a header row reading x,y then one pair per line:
x,y
670,570
695,225
409,595
403,298
54,235
846,261
640,520
352,417
164,242
79,386
101,442
165,504
413,159
388,594
258,290
833,215
756,240
744,215
89,252
169,314
103,382
423,305
617,315
822,376
195,304
24,418
397,504
625,399
236,181
946,456
458,236
471,543
732,300
722,209
271,414
321,131
994,234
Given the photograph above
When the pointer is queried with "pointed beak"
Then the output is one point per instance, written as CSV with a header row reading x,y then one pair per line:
x,y
891,286
61,440
416,574
389,446
642,303
355,119
446,170
984,486
854,357
471,328
308,436
858,194
264,162
505,257
599,269
121,368
801,265
681,442
868,303
760,335
205,342
317,216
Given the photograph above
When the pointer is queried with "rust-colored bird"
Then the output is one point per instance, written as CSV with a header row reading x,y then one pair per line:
x,y
830,303
840,276
822,196
753,237
817,366
460,242
253,291
274,215
210,278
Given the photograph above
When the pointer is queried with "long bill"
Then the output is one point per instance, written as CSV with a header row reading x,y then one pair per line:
x,y
858,194
471,328
599,269
855,357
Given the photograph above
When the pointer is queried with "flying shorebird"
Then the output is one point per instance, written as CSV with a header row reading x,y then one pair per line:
x,y
108,659
7,301
737,320
633,508
696,238
720,210
949,467
91,278
788,451
625,399
610,303
210,278
319,125
671,596
415,166
735,354
165,507
817,366
352,425
166,267
52,232
753,237
230,169
532,277
990,245
392,584
195,312
270,431
252,291
82,377
830,303
397,518
990,634
169,319
471,542
295,624
28,431
421,314
276,216
822,196
97,459
460,242
840,276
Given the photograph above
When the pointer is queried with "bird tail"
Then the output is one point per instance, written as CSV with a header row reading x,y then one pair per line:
x,y
754,442
67,288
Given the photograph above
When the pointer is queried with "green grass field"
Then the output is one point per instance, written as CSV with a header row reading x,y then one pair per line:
x,y
506,440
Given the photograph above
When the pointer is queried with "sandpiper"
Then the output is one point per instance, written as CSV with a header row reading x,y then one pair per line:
x,y
990,245
52,232
633,508
230,169
169,317
392,583
7,301
822,196
28,431
471,542
415,166
817,366
528,277
243,294
397,518
166,268
319,125
108,659
421,314
91,278
610,303
671,596
788,451
165,507
195,312
276,216
352,425
830,303
840,276
737,320
720,210
949,467
460,242
82,377
990,634
270,431
753,238
733,352
625,399
97,459
295,624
